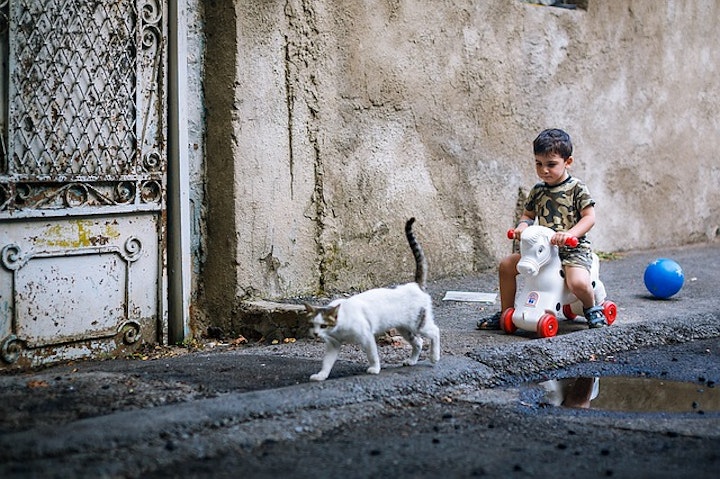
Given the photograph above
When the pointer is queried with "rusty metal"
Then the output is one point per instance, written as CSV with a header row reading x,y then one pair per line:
x,y
83,162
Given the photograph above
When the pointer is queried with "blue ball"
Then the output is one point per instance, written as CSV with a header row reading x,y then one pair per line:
x,y
663,278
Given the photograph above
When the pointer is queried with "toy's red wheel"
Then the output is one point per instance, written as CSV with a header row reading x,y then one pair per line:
x,y
568,312
547,326
506,322
610,311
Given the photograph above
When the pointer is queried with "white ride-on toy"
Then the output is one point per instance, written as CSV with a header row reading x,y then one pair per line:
x,y
543,294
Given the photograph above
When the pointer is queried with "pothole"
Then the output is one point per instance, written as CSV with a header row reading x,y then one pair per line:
x,y
633,394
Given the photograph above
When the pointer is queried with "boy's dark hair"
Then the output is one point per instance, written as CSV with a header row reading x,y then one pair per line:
x,y
553,141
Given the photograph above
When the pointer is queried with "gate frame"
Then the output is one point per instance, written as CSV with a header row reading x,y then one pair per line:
x,y
178,179
174,316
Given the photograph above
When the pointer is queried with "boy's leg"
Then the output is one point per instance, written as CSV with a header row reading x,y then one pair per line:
x,y
507,273
578,281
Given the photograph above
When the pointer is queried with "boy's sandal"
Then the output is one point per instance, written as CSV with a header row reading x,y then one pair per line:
x,y
595,317
489,323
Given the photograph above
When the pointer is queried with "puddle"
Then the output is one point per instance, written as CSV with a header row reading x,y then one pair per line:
x,y
629,394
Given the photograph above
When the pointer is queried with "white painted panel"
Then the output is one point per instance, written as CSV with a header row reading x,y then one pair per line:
x,y
61,299
72,279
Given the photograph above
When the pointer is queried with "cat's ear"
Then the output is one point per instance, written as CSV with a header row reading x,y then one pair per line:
x,y
310,310
332,314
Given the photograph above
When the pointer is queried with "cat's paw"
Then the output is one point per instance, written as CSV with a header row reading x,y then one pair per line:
x,y
410,362
318,377
373,370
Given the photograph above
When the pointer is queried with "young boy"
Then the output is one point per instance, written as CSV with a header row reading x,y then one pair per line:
x,y
564,204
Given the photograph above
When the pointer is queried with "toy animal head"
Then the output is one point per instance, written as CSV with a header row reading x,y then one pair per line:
x,y
535,249
322,319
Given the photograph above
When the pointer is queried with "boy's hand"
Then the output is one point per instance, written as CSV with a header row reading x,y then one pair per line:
x,y
559,239
564,239
517,231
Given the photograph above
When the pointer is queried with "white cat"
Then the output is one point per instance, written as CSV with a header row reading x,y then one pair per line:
x,y
358,319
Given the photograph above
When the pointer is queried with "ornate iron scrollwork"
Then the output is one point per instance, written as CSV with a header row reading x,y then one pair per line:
x,y
125,192
151,192
53,196
151,17
133,248
76,194
130,332
152,161
11,257
22,192
11,349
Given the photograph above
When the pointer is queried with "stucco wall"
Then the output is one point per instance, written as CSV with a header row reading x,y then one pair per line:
x,y
331,122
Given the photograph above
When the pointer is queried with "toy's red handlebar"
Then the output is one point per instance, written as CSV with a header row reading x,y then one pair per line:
x,y
571,241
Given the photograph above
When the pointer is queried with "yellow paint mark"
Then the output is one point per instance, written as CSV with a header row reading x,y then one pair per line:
x,y
78,234
111,230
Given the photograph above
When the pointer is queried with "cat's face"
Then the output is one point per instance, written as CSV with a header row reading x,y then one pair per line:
x,y
321,319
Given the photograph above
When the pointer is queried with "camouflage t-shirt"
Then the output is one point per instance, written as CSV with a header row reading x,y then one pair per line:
x,y
558,207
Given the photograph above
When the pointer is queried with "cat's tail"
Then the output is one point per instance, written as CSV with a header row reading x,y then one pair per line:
x,y
420,260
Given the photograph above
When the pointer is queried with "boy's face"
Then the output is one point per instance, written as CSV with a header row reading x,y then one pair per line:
x,y
552,168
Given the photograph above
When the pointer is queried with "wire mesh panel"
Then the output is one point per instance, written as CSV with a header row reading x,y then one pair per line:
x,y
85,105
73,89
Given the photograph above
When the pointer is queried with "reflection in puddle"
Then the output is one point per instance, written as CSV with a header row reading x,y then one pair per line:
x,y
630,394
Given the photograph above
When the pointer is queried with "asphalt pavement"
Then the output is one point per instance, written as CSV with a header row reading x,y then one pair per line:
x,y
125,417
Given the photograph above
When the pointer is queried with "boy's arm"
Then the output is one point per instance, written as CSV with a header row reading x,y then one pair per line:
x,y
527,218
587,221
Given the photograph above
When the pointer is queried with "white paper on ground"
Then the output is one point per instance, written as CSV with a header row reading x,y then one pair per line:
x,y
470,296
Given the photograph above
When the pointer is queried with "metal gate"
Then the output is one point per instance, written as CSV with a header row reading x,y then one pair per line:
x,y
83,160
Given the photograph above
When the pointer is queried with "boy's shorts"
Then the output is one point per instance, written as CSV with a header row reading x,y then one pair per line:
x,y
579,257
